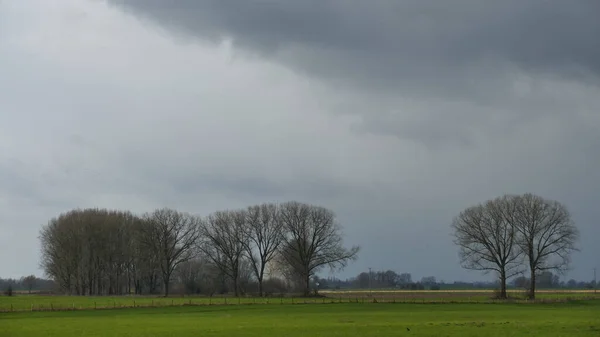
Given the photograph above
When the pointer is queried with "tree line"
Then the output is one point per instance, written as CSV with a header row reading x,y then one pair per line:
x,y
26,283
391,279
513,234
98,251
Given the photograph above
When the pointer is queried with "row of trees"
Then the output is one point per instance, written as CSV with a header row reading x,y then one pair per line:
x,y
391,279
26,283
99,251
513,234
549,280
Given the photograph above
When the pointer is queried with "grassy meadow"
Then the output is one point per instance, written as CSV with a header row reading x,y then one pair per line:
x,y
340,313
24,302
579,318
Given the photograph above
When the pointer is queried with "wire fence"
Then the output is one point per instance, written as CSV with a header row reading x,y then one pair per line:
x,y
223,301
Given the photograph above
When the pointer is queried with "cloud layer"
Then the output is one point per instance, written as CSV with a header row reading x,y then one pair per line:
x,y
397,115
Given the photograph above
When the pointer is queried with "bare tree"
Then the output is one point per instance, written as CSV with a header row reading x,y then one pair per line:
x,y
547,235
263,237
313,240
224,242
172,236
29,282
487,241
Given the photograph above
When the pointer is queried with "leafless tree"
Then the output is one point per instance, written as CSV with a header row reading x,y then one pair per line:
x,y
224,242
264,233
29,282
547,234
172,236
313,240
487,241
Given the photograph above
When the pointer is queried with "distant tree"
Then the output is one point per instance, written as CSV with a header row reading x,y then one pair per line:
x,y
428,280
572,283
224,243
172,236
547,279
189,275
363,280
9,290
263,235
547,235
521,282
488,241
29,282
313,240
404,278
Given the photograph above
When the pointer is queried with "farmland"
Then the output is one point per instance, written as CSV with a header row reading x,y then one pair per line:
x,y
24,302
577,318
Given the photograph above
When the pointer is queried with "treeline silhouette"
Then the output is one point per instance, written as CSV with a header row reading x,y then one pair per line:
x,y
262,248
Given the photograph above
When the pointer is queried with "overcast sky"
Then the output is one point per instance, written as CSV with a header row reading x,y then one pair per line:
x,y
396,115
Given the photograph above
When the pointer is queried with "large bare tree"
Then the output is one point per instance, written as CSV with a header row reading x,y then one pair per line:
x,y
313,240
547,234
487,240
224,242
172,236
264,233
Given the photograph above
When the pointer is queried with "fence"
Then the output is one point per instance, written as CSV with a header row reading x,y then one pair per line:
x,y
164,303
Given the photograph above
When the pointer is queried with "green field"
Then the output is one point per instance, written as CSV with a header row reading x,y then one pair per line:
x,y
24,302
580,318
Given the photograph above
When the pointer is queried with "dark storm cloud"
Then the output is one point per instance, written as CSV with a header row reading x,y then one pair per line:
x,y
414,45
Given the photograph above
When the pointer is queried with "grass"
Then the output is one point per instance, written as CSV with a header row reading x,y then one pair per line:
x,y
346,319
25,302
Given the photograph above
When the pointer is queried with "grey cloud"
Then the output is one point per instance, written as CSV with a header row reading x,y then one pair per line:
x,y
470,55
426,43
499,93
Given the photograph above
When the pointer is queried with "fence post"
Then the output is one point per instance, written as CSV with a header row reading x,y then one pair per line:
x,y
31,306
134,303
73,305
225,298
94,305
11,307
172,303
51,307
239,300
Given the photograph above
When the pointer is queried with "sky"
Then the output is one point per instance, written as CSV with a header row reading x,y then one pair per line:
x,y
396,115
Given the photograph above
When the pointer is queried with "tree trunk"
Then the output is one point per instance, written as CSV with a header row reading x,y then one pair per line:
x,y
261,276
235,286
532,285
503,285
167,278
307,285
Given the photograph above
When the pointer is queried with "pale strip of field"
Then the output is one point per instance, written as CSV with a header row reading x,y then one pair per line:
x,y
464,291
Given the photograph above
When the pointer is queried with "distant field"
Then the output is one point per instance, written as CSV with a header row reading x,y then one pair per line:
x,y
24,302
457,295
349,319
